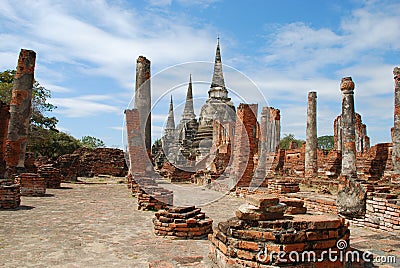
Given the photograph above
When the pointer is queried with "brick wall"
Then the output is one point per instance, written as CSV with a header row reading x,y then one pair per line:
x,y
245,144
4,118
140,163
101,161
382,210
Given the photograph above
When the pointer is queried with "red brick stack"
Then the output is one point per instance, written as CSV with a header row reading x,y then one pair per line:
x,y
317,202
294,206
51,175
68,165
150,196
293,164
175,174
31,184
101,161
245,144
154,198
283,186
182,222
260,231
4,119
382,212
138,182
10,196
331,165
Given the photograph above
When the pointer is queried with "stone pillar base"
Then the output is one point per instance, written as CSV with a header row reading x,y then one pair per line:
x,y
10,196
31,184
182,222
51,175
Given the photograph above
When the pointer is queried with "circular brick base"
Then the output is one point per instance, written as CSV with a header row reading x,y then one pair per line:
x,y
183,223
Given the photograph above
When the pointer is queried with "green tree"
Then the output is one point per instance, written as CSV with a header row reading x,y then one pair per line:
x,y
43,138
92,142
40,105
326,142
53,143
287,139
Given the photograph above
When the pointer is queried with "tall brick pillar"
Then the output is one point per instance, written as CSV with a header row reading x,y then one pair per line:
x,y
270,129
310,164
351,199
20,112
348,128
245,144
4,120
143,99
396,129
139,162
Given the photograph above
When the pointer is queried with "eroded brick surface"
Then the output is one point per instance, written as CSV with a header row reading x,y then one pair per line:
x,y
20,111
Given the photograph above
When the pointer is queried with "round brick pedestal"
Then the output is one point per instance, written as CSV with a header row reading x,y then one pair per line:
x,y
182,222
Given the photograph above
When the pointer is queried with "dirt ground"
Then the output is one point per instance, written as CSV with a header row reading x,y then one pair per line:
x,y
98,225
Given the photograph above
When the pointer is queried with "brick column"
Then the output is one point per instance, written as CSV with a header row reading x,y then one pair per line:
x,y
268,141
348,128
310,163
20,112
139,162
143,99
4,120
245,144
396,129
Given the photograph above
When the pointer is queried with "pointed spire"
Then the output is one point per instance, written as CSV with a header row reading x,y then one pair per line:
x,y
170,121
188,112
218,76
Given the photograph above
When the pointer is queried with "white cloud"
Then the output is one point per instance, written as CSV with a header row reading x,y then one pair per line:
x,y
301,57
103,39
120,128
106,42
83,106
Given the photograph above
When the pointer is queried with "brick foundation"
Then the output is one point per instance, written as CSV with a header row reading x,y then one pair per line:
x,y
283,186
150,196
10,196
69,166
242,241
154,198
4,119
182,222
31,184
382,209
51,175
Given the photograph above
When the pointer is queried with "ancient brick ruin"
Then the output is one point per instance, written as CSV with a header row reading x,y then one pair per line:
x,y
20,111
31,184
15,124
245,144
182,222
51,176
261,230
228,149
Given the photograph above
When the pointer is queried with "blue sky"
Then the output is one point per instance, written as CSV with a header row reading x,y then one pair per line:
x,y
274,51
